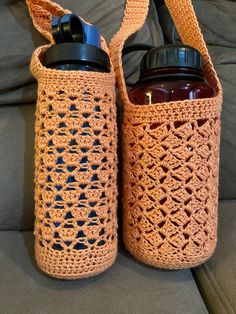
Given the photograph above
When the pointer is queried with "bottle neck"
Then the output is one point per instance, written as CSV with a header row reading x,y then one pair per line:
x,y
171,73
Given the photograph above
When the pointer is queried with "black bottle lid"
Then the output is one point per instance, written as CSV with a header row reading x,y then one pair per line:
x,y
67,28
181,56
77,53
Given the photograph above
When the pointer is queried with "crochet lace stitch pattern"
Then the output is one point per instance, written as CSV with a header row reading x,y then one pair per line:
x,y
170,158
75,171
170,183
75,164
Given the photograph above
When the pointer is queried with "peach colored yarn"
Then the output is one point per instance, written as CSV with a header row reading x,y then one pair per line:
x,y
170,159
75,164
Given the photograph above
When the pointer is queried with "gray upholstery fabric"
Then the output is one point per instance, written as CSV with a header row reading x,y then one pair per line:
x,y
128,287
16,30
16,167
18,40
218,23
217,278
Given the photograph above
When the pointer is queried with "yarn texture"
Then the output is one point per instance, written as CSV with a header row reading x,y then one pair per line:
x,y
170,158
75,164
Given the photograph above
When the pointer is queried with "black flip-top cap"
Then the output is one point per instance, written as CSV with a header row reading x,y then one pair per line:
x,y
171,56
77,53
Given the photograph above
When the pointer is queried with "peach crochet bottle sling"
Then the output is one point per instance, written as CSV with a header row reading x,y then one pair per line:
x,y
75,163
170,159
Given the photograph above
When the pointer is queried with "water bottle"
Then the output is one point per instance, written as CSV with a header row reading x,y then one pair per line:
x,y
77,47
170,73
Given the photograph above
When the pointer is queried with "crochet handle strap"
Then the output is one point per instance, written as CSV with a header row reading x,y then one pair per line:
x,y
41,12
135,15
187,25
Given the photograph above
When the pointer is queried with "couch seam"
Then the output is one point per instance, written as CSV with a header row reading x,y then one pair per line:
x,y
218,289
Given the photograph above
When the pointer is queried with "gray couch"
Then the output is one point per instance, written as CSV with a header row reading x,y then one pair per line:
x,y
129,286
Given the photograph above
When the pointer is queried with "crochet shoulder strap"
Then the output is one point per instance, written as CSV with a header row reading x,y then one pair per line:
x,y
186,23
41,12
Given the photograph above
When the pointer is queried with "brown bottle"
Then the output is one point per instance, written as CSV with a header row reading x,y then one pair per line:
x,y
170,73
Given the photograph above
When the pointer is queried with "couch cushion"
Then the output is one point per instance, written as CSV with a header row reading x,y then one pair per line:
x,y
128,287
217,26
217,278
224,59
217,21
16,30
17,167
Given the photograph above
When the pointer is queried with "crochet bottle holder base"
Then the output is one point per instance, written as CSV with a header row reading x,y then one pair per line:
x,y
75,171
170,182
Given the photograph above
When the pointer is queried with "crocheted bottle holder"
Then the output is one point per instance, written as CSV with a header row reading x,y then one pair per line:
x,y
170,159
75,164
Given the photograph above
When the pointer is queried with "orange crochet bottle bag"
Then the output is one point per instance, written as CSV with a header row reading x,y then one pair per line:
x,y
75,163
170,193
